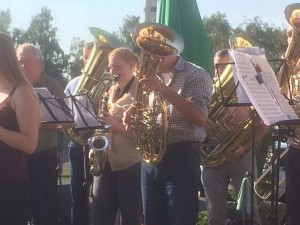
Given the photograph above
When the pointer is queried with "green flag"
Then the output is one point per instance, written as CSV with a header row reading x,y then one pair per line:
x,y
183,16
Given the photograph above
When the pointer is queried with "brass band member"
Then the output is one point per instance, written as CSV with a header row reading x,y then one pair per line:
x,y
19,123
78,181
238,162
42,165
119,184
292,163
170,187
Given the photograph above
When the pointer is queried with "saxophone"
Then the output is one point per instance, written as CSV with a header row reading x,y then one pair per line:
x,y
156,41
94,82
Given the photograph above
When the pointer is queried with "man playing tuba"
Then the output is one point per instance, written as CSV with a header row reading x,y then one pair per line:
x,y
292,162
236,164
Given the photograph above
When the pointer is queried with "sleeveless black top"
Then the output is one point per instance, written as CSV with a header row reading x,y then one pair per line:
x,y
12,163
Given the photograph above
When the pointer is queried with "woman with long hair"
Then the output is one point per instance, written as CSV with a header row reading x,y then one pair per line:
x,y
19,123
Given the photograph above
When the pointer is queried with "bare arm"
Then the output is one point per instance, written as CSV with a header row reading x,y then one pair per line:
x,y
25,103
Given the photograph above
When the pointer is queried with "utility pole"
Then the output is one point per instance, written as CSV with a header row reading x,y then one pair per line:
x,y
150,11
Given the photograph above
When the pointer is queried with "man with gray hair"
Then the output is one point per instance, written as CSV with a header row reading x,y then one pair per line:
x,y
42,165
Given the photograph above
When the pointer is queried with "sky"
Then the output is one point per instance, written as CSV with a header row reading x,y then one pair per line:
x,y
73,17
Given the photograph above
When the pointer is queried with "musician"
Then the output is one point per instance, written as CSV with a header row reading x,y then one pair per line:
x,y
79,182
238,163
292,171
42,165
170,188
119,184
18,135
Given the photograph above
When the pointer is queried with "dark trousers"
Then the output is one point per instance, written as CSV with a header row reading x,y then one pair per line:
x,y
79,185
170,188
43,175
14,203
292,174
114,190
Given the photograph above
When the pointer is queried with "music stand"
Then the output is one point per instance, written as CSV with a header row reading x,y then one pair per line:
x,y
230,100
260,84
85,119
54,112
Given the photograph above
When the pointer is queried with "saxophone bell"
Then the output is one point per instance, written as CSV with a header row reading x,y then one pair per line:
x,y
98,143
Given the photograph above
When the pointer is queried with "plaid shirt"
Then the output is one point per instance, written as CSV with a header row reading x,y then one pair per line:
x,y
194,83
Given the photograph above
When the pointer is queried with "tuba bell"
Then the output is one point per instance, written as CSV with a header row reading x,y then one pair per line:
x,y
150,125
94,82
222,135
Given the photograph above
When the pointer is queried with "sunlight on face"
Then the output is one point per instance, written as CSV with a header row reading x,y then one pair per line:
x,y
31,65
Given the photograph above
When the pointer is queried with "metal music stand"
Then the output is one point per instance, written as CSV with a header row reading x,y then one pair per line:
x,y
228,101
272,107
54,112
86,122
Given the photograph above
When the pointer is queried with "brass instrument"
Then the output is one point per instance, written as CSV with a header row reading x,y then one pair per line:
x,y
289,74
98,143
288,79
94,82
263,184
223,134
156,41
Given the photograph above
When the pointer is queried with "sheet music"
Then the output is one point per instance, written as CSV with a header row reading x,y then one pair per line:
x,y
266,97
241,94
50,105
84,115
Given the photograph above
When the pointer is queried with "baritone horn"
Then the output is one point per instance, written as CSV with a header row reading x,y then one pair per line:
x,y
150,125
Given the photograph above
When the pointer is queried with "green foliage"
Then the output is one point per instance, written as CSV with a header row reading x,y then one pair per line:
x,y
218,30
5,21
272,38
125,32
75,58
202,218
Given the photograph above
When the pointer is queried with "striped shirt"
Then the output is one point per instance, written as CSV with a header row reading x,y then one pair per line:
x,y
193,83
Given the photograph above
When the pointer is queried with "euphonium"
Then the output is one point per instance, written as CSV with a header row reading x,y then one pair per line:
x,y
156,41
224,135
94,82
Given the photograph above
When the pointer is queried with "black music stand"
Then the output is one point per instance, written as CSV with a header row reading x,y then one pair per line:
x,y
86,122
260,84
230,101
54,112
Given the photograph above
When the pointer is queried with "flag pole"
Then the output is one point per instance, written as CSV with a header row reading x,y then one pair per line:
x,y
150,10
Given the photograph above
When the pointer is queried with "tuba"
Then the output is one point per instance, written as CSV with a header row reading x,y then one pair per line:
x,y
222,134
95,82
150,122
289,74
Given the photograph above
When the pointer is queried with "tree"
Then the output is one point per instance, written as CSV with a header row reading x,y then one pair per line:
x,y
75,64
218,30
5,21
272,38
41,33
125,32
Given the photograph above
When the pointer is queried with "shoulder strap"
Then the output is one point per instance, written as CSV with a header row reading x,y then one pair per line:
x,y
13,91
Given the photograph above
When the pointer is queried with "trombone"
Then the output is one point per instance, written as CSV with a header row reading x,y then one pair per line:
x,y
263,185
